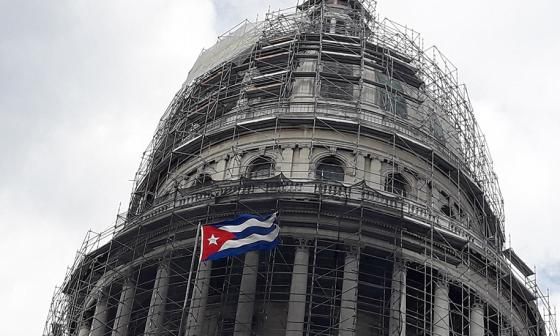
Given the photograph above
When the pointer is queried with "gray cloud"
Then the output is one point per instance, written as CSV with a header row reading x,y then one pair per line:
x,y
82,85
504,51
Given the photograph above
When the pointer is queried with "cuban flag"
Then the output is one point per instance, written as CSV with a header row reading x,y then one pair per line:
x,y
238,236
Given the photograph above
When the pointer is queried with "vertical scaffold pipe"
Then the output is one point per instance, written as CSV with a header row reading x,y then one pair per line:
x,y
99,322
197,307
476,321
298,289
349,296
246,301
397,323
124,309
154,320
441,309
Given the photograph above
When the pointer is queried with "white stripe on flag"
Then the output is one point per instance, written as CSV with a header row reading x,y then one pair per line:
x,y
253,222
251,239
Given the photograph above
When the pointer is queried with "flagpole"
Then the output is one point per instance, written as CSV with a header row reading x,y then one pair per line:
x,y
197,236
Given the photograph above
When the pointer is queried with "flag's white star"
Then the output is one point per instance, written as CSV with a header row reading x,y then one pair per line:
x,y
213,240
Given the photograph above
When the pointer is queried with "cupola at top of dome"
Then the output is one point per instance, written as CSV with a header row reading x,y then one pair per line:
x,y
341,13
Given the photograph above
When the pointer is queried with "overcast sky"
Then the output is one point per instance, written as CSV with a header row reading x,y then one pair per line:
x,y
83,84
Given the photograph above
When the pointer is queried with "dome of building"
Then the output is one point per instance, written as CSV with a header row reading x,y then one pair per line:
x,y
365,144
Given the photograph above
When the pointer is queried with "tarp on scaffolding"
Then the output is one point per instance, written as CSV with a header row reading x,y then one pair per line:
x,y
228,47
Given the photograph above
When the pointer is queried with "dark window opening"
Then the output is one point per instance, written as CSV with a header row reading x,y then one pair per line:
x,y
392,98
396,103
458,210
449,208
330,169
436,128
446,209
396,184
202,180
261,168
337,90
337,81
150,197
339,68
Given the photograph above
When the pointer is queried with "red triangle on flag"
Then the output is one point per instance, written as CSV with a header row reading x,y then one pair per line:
x,y
212,240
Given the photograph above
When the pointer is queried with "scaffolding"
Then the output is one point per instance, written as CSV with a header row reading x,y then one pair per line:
x,y
412,222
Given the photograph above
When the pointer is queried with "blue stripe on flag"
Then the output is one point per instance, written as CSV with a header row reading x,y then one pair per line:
x,y
255,229
241,219
260,245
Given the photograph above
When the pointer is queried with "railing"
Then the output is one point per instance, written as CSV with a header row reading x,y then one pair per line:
x,y
358,193
369,115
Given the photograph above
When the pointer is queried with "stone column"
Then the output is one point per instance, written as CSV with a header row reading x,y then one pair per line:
x,y
234,167
332,28
374,175
441,309
397,322
301,163
476,321
303,87
220,170
286,164
199,299
349,296
154,320
99,322
298,291
124,309
360,167
246,302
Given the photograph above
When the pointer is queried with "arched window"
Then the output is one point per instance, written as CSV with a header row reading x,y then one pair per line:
x,y
330,169
448,211
396,183
202,180
448,208
261,167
